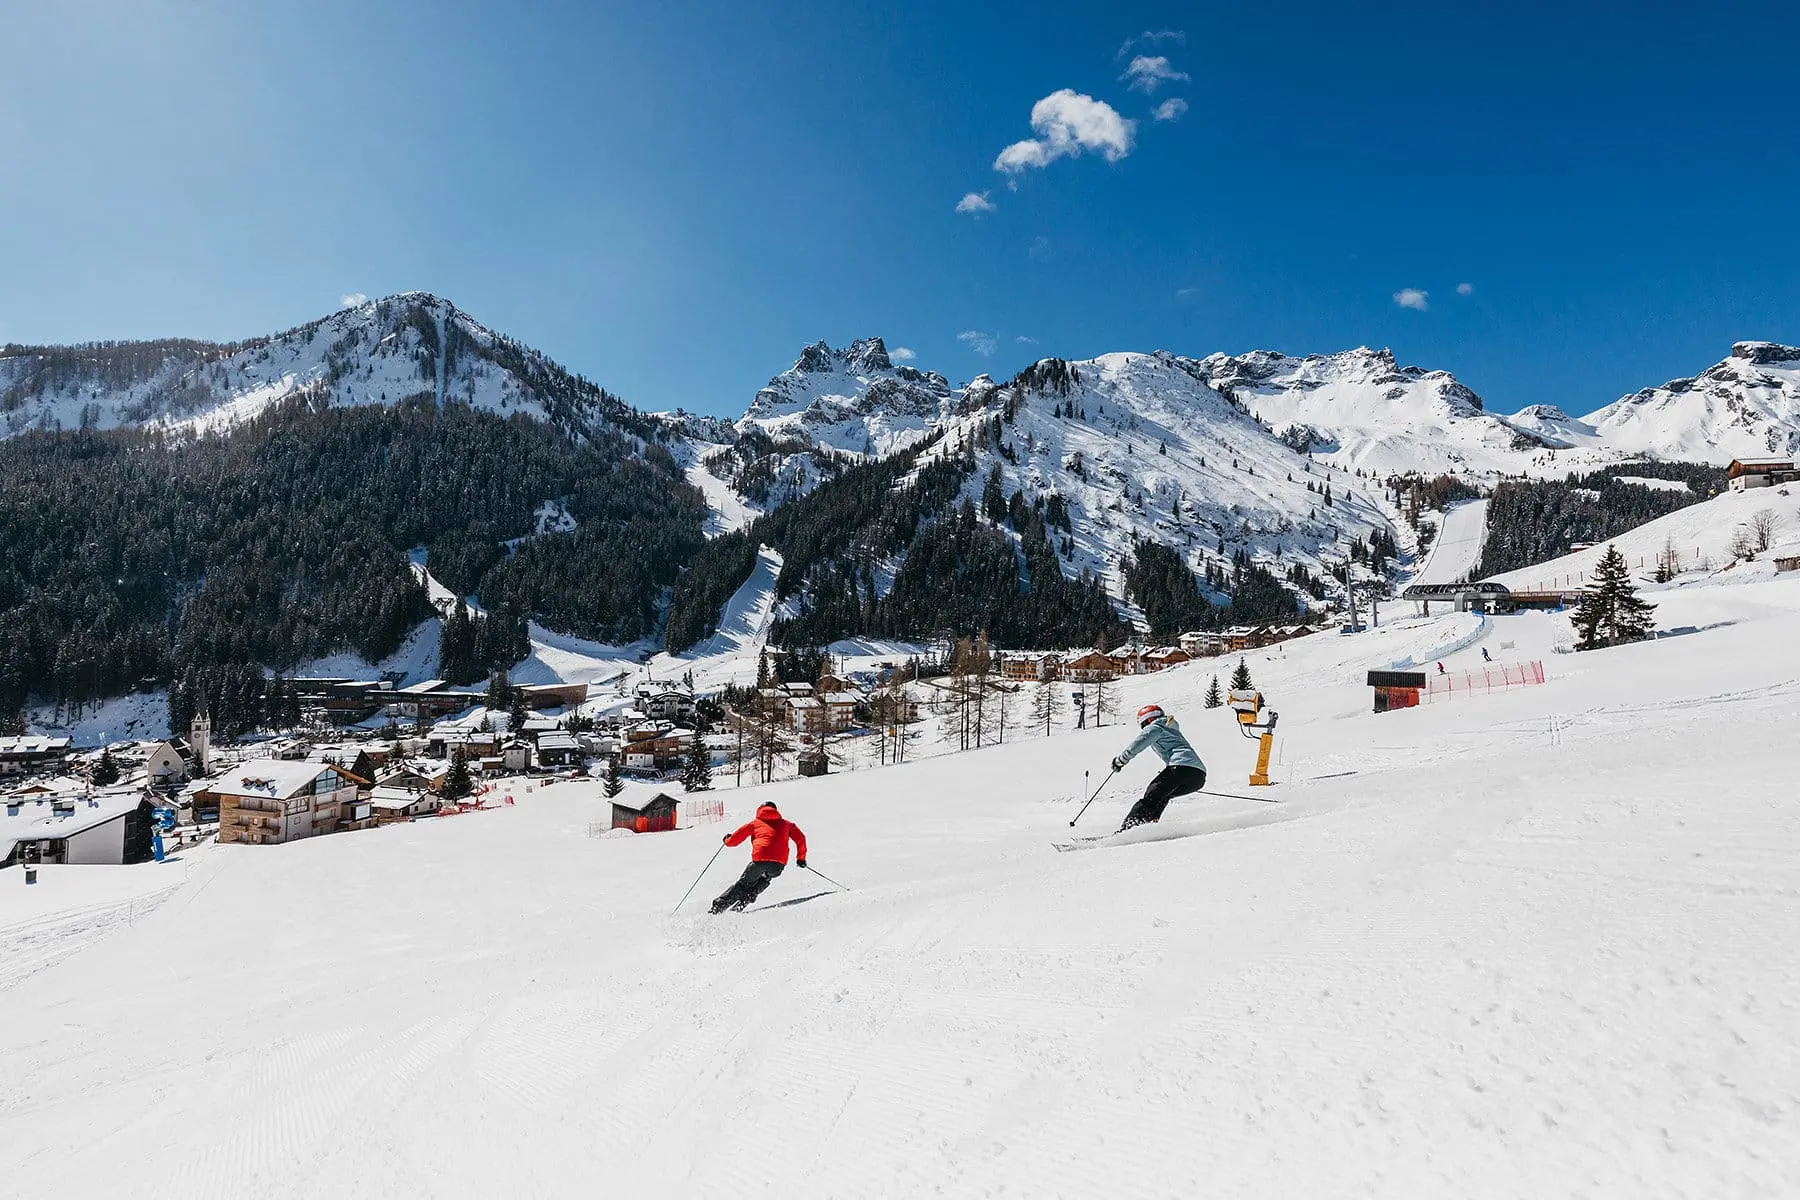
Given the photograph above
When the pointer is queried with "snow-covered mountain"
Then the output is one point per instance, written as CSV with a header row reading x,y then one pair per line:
x,y
382,351
854,400
1745,406
1142,446
1359,408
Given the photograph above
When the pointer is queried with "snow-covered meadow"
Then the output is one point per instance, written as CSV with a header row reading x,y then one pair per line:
x,y
1542,943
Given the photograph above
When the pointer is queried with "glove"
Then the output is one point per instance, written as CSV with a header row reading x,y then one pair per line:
x,y
1118,764
801,863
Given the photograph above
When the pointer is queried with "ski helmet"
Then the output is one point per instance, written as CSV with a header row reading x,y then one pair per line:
x,y
1148,713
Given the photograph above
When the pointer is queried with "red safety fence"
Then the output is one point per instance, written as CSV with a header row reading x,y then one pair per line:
x,y
1496,677
700,810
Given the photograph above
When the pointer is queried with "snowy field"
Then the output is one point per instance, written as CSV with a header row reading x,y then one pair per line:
x,y
1543,943
1456,551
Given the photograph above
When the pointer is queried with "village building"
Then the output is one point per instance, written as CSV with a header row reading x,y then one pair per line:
x,y
269,801
353,759
1024,667
558,749
1161,658
655,746
552,695
840,710
665,704
1203,643
32,753
807,715
1089,667
1746,473
392,804
832,683
111,827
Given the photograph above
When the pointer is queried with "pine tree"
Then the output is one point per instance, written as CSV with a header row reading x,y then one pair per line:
x,y
696,774
612,783
516,712
1240,678
1213,698
499,692
1610,611
106,771
458,783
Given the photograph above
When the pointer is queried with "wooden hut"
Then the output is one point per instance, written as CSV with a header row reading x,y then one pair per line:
x,y
655,815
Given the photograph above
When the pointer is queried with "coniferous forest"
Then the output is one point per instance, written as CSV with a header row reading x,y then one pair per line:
x,y
1533,520
132,559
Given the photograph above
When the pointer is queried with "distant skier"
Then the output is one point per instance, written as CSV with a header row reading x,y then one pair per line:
x,y
1440,668
1182,773
769,833
1484,655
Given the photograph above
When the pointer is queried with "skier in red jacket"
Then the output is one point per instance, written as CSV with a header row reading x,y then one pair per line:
x,y
769,833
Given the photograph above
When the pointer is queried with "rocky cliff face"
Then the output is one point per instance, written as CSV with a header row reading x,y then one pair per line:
x,y
1744,406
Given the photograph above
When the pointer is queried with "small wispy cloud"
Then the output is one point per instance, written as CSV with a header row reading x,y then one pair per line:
x,y
352,300
1152,38
975,202
1147,72
1170,109
1186,293
981,342
1024,340
1414,298
903,354
1067,123
1039,250
1465,289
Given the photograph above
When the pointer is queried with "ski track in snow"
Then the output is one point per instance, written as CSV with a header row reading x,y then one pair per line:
x,y
1532,947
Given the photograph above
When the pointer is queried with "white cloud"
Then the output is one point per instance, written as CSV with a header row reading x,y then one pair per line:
x,y
352,300
1067,123
980,342
903,354
1170,109
1152,38
1186,293
975,202
1412,298
1465,289
1025,341
1147,72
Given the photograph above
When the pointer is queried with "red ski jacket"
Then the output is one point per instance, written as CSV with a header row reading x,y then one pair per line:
x,y
769,834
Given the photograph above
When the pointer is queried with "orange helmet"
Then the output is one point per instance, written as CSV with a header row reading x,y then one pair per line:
x,y
1148,713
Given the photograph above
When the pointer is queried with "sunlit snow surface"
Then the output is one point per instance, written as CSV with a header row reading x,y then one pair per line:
x,y
1544,943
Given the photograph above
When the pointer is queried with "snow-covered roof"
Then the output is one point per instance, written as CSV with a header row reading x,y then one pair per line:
x,y
31,820
33,743
558,741
802,702
271,777
1784,550
392,798
55,785
638,801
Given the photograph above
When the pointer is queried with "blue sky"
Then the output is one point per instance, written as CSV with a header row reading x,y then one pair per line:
x,y
672,199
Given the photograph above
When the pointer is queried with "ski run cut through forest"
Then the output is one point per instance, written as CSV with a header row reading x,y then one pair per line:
x,y
1532,941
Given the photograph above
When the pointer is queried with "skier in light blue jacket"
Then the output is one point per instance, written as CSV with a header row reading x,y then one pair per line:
x,y
1183,772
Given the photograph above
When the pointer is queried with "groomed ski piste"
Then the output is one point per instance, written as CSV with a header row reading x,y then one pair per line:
x,y
1538,943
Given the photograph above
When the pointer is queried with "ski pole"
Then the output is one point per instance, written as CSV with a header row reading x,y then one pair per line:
x,y
1095,796
1235,796
697,879
828,879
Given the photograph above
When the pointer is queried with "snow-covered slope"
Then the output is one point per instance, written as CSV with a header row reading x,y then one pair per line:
x,y
1456,550
1701,536
1744,407
379,352
1516,945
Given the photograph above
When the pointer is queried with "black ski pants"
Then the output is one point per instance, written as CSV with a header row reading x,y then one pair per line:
x,y
752,883
1169,783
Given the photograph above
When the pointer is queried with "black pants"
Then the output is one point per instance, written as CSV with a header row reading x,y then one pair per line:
x,y
752,883
1169,783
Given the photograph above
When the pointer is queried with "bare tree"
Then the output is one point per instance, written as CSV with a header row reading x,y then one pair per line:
x,y
1762,528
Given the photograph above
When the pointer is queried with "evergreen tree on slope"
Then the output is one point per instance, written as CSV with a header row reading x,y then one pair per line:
x,y
1610,611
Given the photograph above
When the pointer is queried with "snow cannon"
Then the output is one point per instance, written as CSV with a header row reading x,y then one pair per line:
x,y
1247,703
